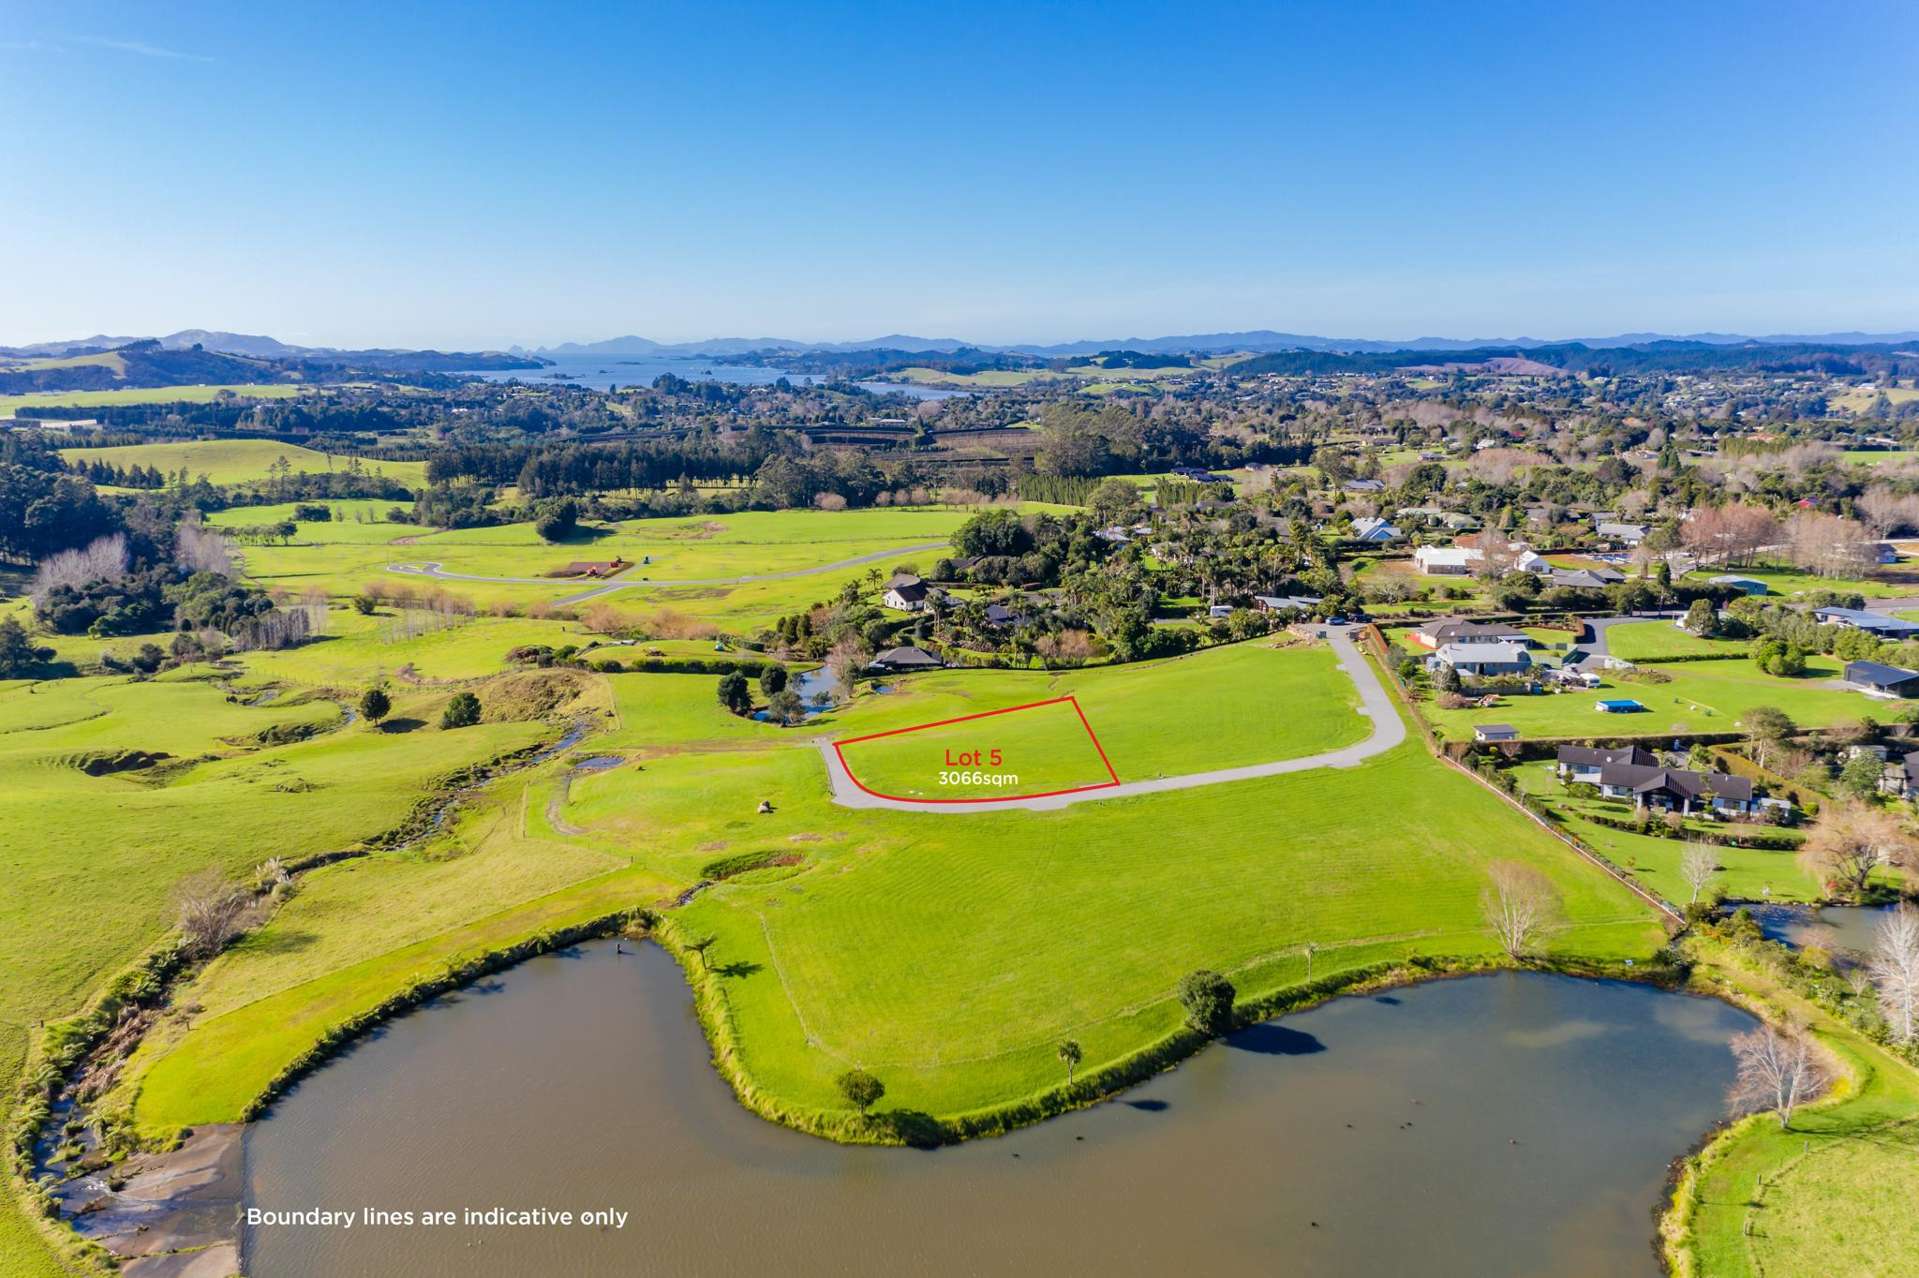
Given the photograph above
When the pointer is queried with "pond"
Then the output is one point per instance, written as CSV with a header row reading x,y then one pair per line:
x,y
1506,1124
1850,928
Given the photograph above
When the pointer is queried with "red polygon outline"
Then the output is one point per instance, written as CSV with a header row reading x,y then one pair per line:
x,y
984,798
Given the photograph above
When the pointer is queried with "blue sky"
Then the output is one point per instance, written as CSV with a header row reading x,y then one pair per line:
x,y
423,174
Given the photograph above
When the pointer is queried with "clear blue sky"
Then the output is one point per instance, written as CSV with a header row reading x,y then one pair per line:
x,y
422,174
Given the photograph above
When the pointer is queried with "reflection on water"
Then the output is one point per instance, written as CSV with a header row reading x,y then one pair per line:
x,y
1832,927
1498,1125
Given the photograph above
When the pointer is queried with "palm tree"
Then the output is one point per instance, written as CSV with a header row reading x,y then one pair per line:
x,y
1070,1053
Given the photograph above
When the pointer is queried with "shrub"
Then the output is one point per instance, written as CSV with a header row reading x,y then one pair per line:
x,y
463,711
1208,999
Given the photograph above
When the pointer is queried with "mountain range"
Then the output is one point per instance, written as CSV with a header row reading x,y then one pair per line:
x,y
1259,341
1256,340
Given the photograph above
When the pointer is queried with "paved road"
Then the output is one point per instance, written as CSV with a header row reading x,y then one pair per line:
x,y
435,570
1374,702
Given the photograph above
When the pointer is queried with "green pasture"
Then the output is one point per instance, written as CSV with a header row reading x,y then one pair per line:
x,y
239,461
356,520
1890,581
1035,750
1702,696
1653,640
10,404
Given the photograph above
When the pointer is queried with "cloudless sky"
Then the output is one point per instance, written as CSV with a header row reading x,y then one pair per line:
x,y
458,175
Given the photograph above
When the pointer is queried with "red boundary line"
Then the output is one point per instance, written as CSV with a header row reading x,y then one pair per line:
x,y
984,798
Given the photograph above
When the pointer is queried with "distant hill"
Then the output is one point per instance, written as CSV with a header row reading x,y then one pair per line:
x,y
161,362
1662,356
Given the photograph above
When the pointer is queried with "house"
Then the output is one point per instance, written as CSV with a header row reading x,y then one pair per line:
x,y
1584,763
905,658
1484,660
905,592
1629,534
1495,732
1364,486
1220,610
1649,785
1618,705
1583,578
1118,536
1745,585
1441,631
1198,476
1874,679
1901,778
1374,531
1873,623
1286,603
1458,521
1449,561
1000,615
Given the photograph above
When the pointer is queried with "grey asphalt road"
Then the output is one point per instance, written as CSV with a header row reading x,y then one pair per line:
x,y
1374,702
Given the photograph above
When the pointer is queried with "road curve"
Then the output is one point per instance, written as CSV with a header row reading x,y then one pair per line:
x,y
1374,702
433,569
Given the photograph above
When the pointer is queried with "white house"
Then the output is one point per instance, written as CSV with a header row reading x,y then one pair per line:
x,y
905,592
1455,561
1374,531
1485,658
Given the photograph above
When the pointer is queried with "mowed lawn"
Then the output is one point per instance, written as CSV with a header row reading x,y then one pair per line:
x,y
1037,749
1220,708
1890,581
1654,640
238,461
1702,696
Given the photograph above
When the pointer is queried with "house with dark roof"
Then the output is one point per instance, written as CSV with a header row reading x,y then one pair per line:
x,y
1878,680
905,592
1444,630
1583,763
1000,615
1901,778
1676,789
906,658
1873,623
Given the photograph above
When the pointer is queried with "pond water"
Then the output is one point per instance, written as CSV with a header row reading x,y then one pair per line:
x,y
1835,927
1507,1124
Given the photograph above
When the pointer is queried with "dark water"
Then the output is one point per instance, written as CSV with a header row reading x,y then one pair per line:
x,y
1851,928
1502,1125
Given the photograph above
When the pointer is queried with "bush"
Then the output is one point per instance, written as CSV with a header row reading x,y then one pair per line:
x,y
1208,999
735,695
461,712
860,1088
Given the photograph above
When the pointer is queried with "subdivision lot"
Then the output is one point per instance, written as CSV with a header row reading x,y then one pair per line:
x,y
1045,748
238,461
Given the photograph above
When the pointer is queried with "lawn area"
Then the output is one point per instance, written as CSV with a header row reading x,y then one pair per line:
x,y
10,404
238,461
1888,582
1702,696
1654,640
1219,708
1831,1195
1038,749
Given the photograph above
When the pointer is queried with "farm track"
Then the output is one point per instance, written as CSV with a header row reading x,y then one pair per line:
x,y
434,569
1374,701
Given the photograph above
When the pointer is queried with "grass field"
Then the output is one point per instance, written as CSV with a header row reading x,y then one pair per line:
x,y
343,557
1832,1195
239,461
1890,581
1653,640
10,404
1702,696
1042,748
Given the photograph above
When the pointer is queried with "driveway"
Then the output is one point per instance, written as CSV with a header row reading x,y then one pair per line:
x,y
1374,702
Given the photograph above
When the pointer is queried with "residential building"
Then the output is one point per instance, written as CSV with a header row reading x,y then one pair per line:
x,y
1873,623
1583,763
1374,531
1441,631
1746,585
1875,679
1676,788
1484,660
905,658
1450,561
905,592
